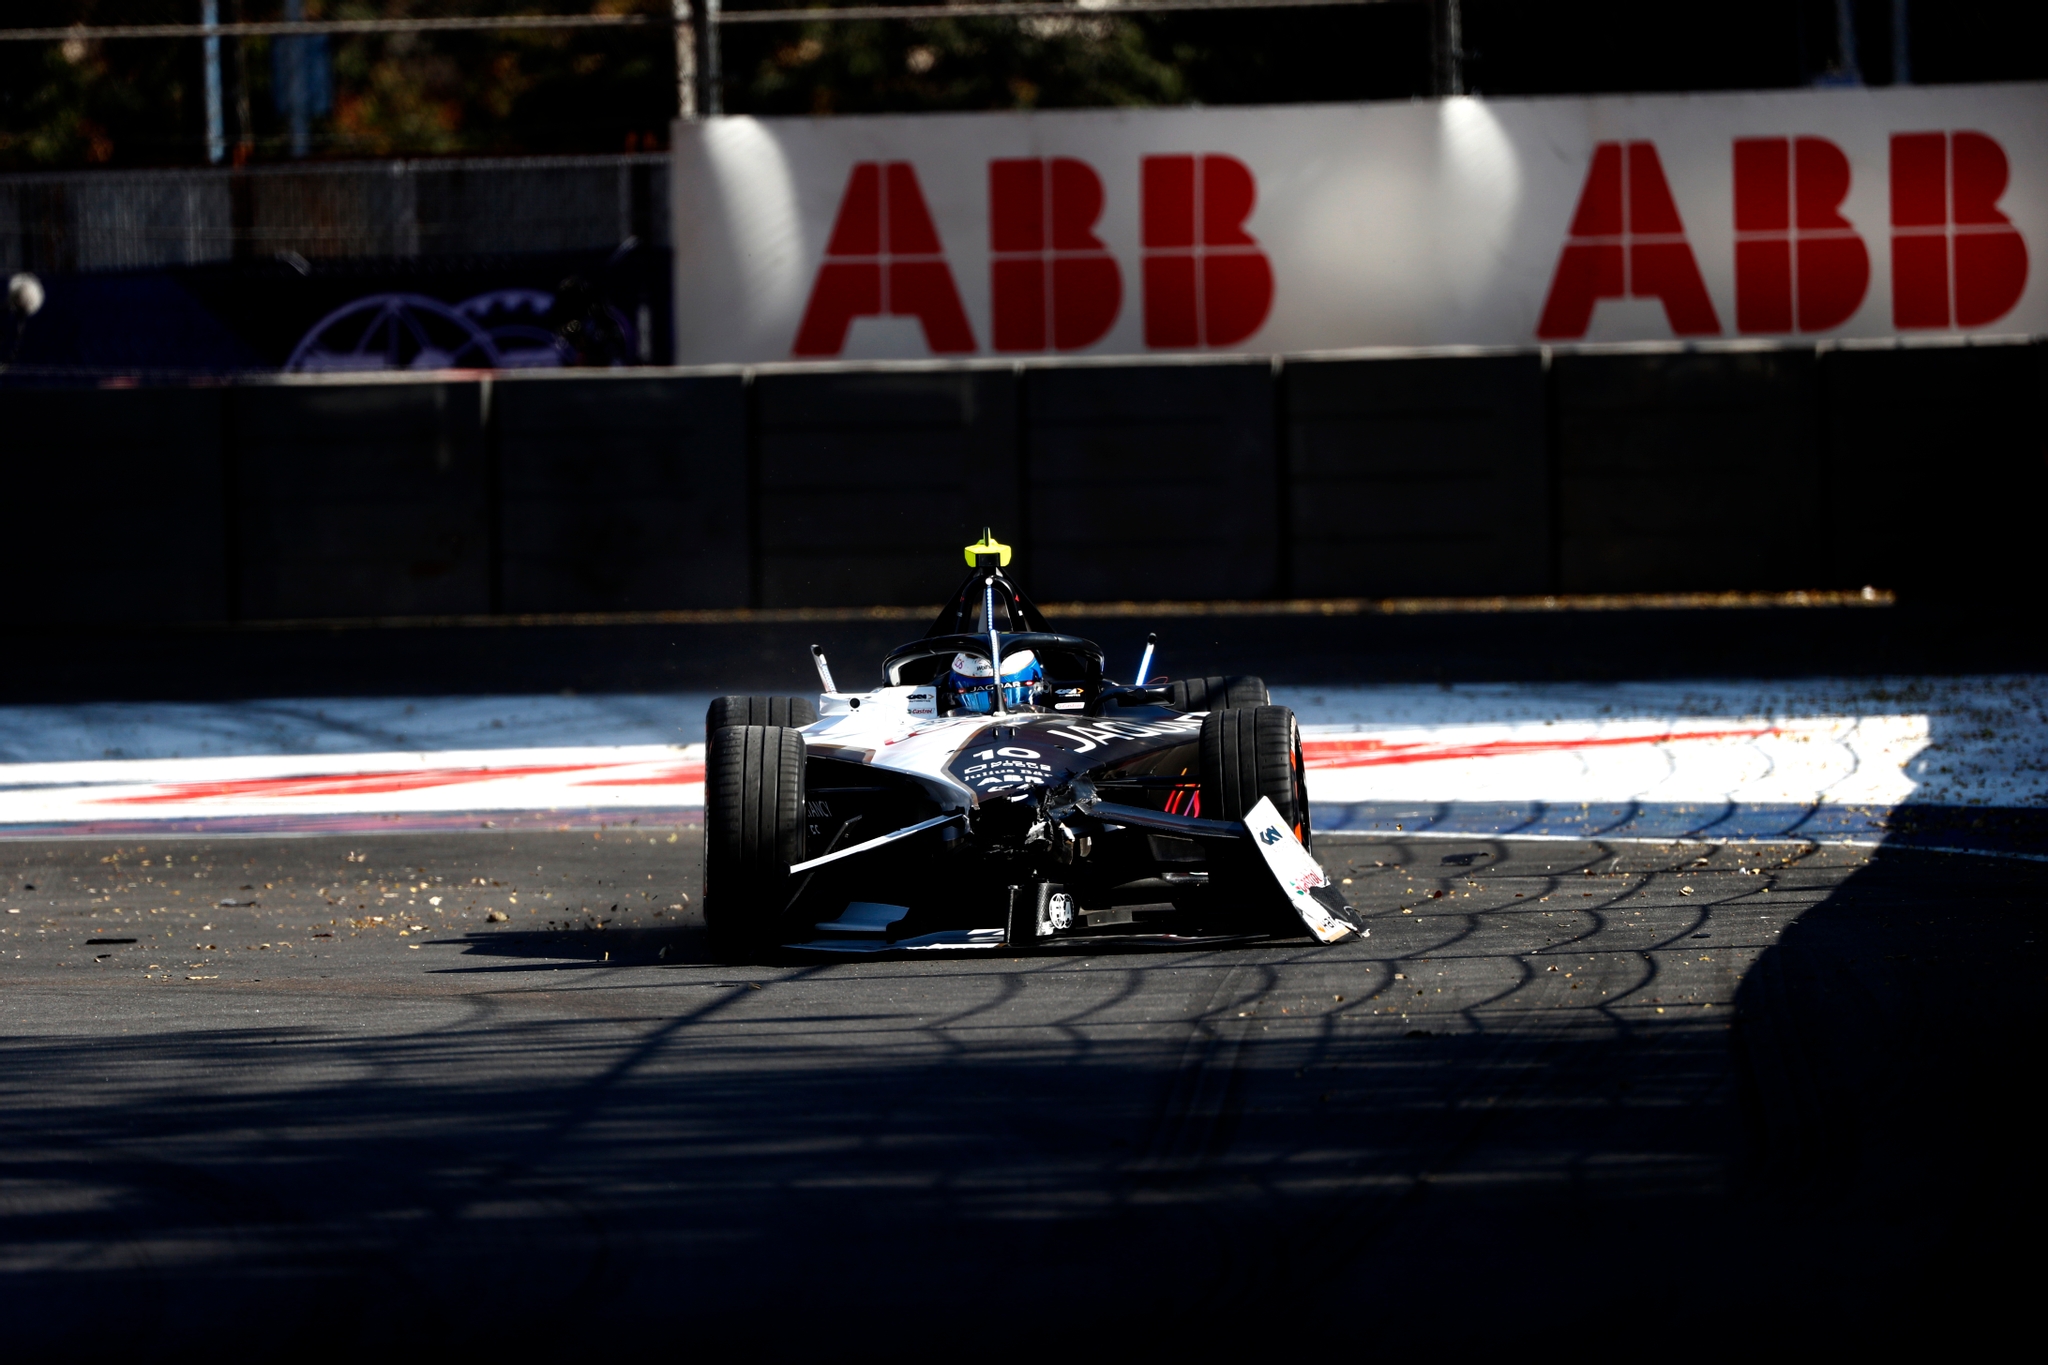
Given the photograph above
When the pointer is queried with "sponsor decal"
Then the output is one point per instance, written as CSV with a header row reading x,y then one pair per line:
x,y
1087,738
1867,213
998,769
1206,281
1626,241
1956,258
1792,244
1052,283
884,259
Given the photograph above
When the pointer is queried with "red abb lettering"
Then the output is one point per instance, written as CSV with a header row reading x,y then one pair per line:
x,y
1206,281
1791,242
1048,264
1955,257
883,259
1626,241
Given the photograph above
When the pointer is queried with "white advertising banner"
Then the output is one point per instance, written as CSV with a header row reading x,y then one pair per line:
x,y
1466,222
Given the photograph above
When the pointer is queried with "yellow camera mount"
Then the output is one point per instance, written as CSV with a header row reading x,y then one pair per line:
x,y
988,545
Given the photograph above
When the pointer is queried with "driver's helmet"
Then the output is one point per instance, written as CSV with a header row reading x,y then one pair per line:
x,y
1022,679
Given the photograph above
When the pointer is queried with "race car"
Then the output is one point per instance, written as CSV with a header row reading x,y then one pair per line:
x,y
999,791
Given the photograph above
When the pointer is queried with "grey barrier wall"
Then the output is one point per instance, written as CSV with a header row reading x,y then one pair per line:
x,y
1919,469
865,484
358,501
1417,477
116,505
1955,439
620,495
1689,471
1154,482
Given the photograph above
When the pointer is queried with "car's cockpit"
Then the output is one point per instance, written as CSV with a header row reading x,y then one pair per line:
x,y
989,651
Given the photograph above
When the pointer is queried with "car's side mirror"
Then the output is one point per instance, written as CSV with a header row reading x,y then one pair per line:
x,y
1128,696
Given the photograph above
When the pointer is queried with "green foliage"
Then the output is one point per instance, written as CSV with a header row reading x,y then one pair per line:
x,y
947,64
1091,60
81,103
141,102
505,92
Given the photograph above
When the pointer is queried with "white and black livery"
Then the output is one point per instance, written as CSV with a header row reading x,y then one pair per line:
x,y
998,791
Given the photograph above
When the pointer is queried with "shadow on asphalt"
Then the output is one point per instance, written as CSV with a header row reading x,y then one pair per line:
x,y
1879,1047
1851,1166
637,946
691,945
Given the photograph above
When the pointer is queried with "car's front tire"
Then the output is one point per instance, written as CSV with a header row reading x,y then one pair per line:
x,y
1247,754
793,712
1215,694
754,830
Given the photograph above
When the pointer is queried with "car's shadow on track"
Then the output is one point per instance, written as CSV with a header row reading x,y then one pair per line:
x,y
692,945
679,945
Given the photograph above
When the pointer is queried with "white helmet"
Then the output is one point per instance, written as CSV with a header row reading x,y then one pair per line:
x,y
970,678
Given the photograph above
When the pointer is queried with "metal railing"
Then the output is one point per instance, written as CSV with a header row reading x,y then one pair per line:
x,y
67,221
684,20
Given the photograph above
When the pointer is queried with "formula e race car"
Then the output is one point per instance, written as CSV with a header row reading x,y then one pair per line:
x,y
998,791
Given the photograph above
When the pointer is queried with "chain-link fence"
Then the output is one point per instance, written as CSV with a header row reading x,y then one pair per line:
x,y
128,220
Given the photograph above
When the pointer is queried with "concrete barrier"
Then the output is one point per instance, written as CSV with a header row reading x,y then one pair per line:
x,y
1417,477
1151,482
621,494
115,508
1916,469
868,484
1688,472
359,500
1937,468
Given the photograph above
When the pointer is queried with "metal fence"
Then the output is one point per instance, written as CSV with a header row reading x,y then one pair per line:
x,y
127,220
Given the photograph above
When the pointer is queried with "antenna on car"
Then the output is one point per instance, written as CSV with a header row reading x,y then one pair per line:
x,y
1145,664
995,643
824,669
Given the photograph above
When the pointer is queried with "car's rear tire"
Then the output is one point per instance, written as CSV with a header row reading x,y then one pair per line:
x,y
1216,694
754,830
1247,754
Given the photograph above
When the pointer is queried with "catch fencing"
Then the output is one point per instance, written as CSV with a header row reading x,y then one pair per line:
x,y
62,223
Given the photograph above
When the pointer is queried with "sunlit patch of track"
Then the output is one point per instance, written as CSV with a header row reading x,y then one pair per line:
x,y
1826,761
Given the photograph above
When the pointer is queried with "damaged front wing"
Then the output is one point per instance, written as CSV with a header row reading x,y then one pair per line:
x,y
1072,812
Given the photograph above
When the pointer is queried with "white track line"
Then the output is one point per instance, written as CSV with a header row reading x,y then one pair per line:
x,y
1664,753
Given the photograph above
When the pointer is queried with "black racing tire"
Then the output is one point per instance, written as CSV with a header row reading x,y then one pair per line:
x,y
1252,752
793,712
1246,754
1216,694
754,830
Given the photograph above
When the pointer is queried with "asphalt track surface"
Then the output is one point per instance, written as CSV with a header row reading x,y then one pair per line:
x,y
1567,1098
